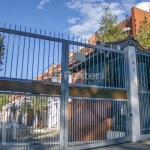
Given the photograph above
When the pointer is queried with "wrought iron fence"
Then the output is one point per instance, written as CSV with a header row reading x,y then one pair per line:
x,y
143,68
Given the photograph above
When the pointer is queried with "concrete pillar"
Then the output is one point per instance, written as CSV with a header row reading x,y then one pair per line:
x,y
132,86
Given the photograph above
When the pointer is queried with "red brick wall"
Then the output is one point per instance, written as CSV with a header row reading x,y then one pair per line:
x,y
137,17
93,39
127,23
89,120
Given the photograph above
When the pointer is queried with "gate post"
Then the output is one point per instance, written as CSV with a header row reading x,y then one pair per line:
x,y
132,86
64,97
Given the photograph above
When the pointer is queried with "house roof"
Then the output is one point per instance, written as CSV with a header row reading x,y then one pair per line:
x,y
128,41
125,20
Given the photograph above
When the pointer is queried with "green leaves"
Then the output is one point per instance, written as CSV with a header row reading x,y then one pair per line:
x,y
38,103
1,39
2,48
110,30
143,36
4,99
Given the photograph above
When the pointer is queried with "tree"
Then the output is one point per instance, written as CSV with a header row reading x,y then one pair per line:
x,y
4,99
39,103
110,30
1,50
34,105
143,36
13,110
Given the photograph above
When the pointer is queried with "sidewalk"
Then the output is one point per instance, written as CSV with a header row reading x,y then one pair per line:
x,y
142,145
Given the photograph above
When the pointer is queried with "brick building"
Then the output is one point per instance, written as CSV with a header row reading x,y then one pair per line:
x,y
132,23
138,12
77,120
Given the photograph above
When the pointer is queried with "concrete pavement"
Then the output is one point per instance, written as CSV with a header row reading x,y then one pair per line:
x,y
142,145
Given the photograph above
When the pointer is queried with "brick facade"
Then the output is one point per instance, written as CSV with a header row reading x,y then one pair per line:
x,y
132,22
137,16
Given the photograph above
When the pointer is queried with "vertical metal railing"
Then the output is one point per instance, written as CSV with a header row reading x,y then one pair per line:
x,y
143,68
45,58
93,120
100,68
27,119
31,56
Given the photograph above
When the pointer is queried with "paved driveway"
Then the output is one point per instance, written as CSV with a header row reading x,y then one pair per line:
x,y
143,145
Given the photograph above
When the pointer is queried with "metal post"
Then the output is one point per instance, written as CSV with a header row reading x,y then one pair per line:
x,y
58,114
133,98
64,97
4,131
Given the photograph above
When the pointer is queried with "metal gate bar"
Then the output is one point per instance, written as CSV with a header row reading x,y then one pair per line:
x,y
43,71
143,65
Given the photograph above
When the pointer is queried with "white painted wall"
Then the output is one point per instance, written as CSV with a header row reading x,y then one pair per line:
x,y
54,113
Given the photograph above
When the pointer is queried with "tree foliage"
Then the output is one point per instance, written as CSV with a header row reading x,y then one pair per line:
x,y
2,48
1,39
110,30
36,105
143,36
4,99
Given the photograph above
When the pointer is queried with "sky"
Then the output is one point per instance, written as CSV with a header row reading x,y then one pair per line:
x,y
27,57
78,18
